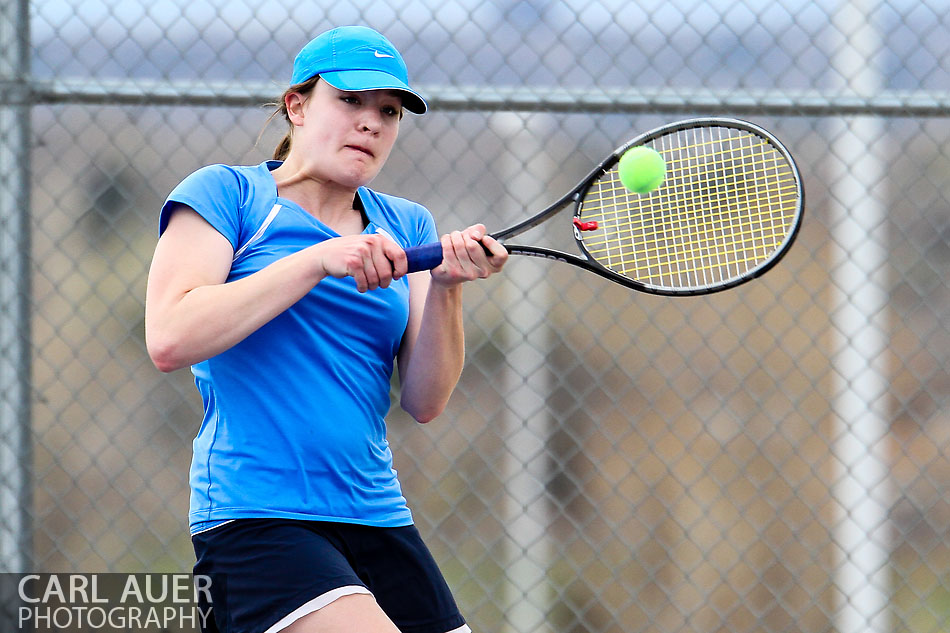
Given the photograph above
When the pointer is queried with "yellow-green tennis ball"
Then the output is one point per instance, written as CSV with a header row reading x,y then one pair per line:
x,y
641,169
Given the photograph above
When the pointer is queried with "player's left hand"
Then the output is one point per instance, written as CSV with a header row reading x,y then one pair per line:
x,y
468,255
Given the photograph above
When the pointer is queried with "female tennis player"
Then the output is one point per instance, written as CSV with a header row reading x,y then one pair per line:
x,y
284,287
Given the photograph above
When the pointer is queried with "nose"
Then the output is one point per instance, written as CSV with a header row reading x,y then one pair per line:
x,y
371,120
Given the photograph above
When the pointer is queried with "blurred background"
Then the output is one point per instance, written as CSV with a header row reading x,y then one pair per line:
x,y
774,458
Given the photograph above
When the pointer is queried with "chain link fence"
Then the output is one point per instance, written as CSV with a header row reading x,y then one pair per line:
x,y
774,458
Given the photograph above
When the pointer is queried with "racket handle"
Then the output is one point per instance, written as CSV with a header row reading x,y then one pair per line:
x,y
425,257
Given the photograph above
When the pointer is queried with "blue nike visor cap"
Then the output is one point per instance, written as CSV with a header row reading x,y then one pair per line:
x,y
355,58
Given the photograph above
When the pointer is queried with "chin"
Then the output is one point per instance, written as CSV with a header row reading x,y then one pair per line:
x,y
359,179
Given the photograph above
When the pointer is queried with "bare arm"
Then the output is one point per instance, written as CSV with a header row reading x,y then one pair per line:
x,y
433,350
191,314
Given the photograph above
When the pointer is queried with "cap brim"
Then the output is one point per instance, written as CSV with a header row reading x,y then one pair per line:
x,y
356,80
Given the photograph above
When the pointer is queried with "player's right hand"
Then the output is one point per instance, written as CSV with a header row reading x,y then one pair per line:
x,y
373,261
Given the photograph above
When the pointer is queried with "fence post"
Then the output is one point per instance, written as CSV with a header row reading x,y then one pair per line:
x,y
861,486
15,452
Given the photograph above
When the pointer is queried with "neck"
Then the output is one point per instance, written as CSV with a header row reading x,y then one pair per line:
x,y
329,202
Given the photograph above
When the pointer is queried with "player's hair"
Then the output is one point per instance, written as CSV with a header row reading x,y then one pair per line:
x,y
280,110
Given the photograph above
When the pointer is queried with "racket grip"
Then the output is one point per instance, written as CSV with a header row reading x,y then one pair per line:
x,y
425,257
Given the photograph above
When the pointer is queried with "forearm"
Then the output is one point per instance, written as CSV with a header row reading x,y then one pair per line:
x,y
210,319
436,356
433,351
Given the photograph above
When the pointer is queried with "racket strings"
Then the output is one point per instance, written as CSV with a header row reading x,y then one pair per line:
x,y
715,218
728,202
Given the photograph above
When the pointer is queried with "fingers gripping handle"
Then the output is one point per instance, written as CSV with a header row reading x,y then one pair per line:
x,y
428,256
425,257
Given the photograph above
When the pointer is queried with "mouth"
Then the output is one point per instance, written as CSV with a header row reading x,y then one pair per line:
x,y
361,149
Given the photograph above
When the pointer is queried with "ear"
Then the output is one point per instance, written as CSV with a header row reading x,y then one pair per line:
x,y
294,101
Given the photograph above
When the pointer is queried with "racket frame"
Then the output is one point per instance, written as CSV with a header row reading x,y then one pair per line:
x,y
577,194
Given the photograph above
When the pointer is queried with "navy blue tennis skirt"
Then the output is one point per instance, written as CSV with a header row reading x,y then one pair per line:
x,y
266,573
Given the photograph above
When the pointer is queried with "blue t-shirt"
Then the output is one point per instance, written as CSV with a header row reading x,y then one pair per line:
x,y
294,414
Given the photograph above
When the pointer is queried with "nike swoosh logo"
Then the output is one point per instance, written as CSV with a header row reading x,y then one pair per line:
x,y
378,54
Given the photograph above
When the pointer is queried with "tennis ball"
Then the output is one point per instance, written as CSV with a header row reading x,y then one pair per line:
x,y
641,169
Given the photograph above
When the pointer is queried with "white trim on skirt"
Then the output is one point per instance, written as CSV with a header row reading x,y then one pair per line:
x,y
315,605
325,599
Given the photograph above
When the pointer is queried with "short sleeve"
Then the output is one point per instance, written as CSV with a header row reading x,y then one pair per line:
x,y
426,232
216,193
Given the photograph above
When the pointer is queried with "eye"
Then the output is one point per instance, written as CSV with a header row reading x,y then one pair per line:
x,y
391,110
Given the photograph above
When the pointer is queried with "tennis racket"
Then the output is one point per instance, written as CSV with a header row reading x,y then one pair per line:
x,y
728,210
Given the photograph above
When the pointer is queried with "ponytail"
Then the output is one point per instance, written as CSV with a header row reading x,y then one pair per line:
x,y
283,148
